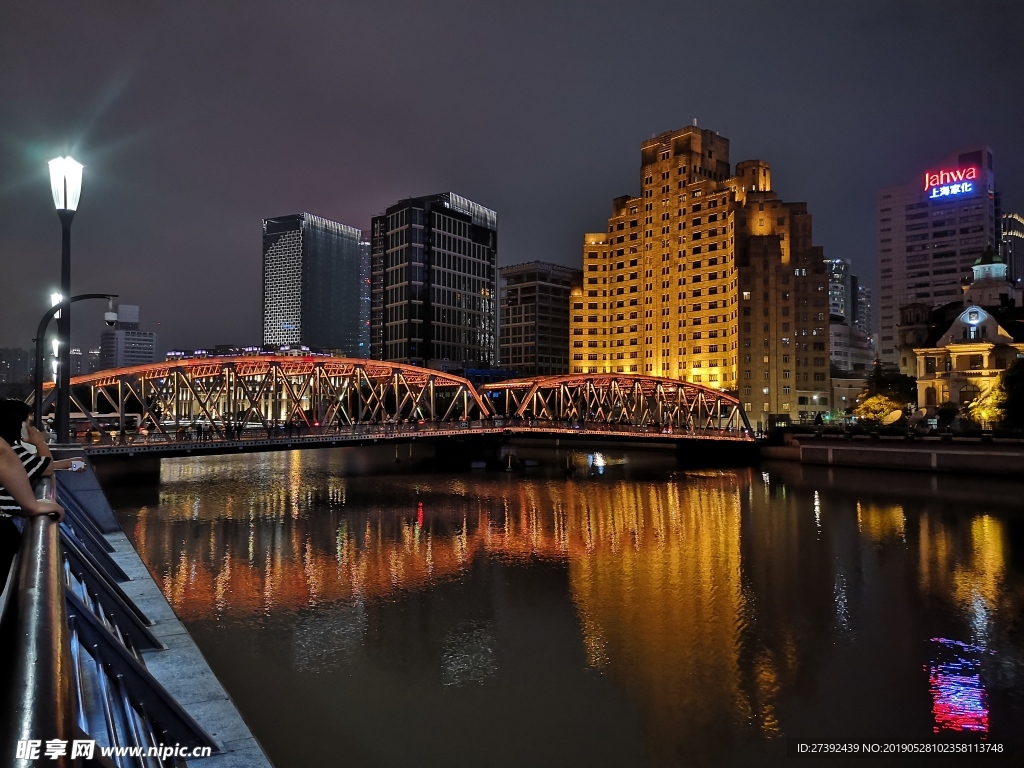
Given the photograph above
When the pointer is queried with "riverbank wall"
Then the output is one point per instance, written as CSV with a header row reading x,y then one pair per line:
x,y
930,454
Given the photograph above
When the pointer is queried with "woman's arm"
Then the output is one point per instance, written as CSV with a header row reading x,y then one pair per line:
x,y
15,480
38,439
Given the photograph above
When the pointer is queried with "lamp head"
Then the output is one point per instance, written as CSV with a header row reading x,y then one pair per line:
x,y
66,182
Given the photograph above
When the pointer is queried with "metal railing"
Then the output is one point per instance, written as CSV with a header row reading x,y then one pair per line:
x,y
72,645
262,436
36,641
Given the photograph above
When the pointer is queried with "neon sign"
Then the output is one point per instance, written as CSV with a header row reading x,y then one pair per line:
x,y
950,183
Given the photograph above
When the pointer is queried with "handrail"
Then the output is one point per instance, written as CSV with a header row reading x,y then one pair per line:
x,y
373,430
70,655
37,701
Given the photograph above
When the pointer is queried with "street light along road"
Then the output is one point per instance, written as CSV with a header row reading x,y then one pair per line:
x,y
66,186
40,340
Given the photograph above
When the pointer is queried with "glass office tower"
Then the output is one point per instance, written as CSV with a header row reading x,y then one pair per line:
x,y
434,283
311,283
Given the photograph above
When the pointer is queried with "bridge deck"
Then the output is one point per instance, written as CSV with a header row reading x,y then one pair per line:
x,y
258,440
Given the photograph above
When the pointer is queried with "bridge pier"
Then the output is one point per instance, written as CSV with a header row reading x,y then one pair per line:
x,y
123,470
711,453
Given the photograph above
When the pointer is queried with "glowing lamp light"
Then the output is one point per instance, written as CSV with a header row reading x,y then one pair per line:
x,y
55,299
66,182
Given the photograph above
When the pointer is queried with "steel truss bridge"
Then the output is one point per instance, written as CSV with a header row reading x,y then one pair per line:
x,y
278,402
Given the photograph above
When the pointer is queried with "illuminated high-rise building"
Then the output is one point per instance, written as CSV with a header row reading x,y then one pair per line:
x,y
1011,246
124,344
534,310
843,287
433,283
311,283
865,320
708,277
16,365
364,297
930,232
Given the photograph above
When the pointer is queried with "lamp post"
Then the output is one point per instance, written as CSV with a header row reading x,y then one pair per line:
x,y
66,186
41,340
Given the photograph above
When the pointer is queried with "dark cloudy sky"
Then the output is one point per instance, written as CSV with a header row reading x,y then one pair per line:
x,y
197,119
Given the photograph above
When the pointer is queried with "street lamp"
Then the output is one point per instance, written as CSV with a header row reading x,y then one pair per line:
x,y
66,186
110,317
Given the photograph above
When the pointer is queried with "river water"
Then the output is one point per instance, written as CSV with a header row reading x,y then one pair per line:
x,y
632,613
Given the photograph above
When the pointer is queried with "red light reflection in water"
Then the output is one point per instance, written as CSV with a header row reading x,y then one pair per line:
x,y
959,701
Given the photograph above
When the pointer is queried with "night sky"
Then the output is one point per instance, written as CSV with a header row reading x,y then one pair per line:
x,y
197,119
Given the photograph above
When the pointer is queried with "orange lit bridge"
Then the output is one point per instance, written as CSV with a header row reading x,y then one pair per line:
x,y
223,405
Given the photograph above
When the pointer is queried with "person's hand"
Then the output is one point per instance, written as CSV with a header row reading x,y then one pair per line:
x,y
75,464
35,436
45,508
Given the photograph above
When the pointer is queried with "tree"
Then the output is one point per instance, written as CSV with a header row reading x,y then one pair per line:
x,y
1012,385
987,409
894,386
876,408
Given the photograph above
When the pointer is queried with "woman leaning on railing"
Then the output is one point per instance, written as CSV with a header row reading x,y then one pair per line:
x,y
17,498
19,468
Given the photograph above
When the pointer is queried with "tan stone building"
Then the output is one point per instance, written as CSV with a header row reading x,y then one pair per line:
x,y
708,277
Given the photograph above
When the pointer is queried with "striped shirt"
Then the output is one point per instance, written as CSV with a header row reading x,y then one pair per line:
x,y
34,465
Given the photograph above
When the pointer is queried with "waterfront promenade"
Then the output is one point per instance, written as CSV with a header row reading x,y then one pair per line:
x,y
975,455
126,673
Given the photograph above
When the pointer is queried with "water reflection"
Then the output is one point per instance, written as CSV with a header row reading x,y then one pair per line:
x,y
954,681
727,608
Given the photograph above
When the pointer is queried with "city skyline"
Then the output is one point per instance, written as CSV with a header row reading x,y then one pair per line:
x,y
178,176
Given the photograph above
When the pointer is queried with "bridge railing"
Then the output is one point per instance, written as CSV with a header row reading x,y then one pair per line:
x,y
71,653
194,436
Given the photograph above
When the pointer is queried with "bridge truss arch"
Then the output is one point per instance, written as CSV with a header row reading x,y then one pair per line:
x,y
267,391
620,399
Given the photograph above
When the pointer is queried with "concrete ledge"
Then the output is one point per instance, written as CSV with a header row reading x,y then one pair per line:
x,y
85,487
181,669
781,452
915,456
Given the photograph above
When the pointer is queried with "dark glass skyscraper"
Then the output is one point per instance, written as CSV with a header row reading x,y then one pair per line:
x,y
434,283
311,283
